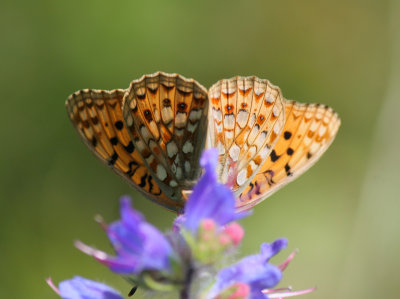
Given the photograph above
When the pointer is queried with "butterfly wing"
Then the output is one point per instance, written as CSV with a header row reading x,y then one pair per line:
x,y
97,117
309,130
246,118
166,115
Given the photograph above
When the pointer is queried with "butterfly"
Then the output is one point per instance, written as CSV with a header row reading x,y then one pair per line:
x,y
153,133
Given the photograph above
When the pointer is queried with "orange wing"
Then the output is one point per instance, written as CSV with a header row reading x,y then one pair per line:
x,y
309,130
246,118
166,115
97,117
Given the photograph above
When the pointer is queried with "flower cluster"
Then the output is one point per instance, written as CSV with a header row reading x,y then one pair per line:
x,y
185,259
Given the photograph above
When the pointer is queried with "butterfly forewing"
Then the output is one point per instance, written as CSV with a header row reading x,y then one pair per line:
x,y
166,115
246,118
309,130
97,116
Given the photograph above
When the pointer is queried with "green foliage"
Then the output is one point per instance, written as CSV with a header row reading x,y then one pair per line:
x,y
333,52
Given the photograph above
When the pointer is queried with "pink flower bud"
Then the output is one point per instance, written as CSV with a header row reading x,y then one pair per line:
x,y
235,232
242,291
237,291
208,224
224,239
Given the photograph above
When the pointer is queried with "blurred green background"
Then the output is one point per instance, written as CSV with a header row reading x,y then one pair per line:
x,y
342,214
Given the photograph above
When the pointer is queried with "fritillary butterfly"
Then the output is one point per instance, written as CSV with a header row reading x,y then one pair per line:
x,y
153,133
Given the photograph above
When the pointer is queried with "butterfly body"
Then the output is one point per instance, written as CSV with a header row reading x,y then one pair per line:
x,y
153,133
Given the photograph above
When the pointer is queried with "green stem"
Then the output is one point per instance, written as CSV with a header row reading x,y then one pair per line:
x,y
185,293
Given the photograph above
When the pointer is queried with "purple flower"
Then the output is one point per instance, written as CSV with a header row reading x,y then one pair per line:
x,y
254,270
139,246
209,199
82,288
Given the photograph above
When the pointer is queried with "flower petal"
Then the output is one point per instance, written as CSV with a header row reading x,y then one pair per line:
x,y
253,270
139,246
210,199
82,288
268,250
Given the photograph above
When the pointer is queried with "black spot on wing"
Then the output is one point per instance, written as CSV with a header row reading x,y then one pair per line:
x,y
167,102
152,90
94,120
287,169
119,125
133,166
113,159
147,115
94,141
269,175
151,185
143,181
287,135
141,96
130,147
114,140
274,156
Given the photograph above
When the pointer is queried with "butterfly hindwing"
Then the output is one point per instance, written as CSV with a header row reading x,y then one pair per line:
x,y
97,116
246,118
309,130
166,115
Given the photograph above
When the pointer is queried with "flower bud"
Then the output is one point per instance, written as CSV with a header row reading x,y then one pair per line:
x,y
236,291
235,232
